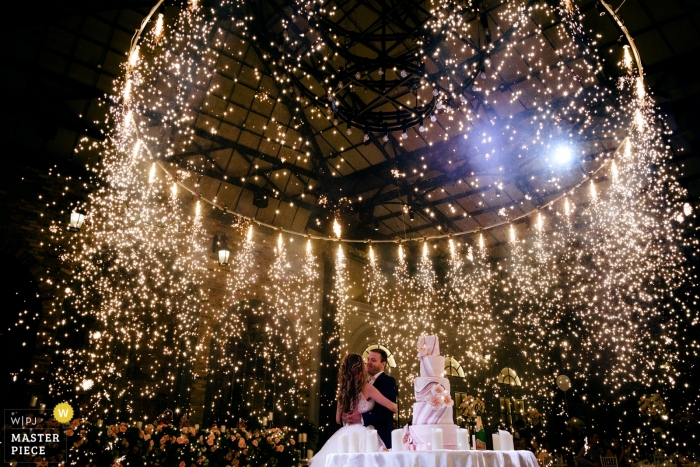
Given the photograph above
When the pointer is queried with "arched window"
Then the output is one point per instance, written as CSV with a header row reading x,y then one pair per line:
x,y
509,376
453,368
390,360
511,409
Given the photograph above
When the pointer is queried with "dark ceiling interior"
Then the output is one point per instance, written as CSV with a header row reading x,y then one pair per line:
x,y
59,64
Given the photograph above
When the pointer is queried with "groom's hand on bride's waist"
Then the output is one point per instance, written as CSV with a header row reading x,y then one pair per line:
x,y
352,418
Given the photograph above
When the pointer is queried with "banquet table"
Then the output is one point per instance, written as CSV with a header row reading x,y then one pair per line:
x,y
434,459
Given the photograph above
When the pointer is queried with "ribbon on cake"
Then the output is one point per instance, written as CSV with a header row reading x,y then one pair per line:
x,y
428,345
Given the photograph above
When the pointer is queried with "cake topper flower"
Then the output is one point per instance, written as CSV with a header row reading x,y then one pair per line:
x,y
439,397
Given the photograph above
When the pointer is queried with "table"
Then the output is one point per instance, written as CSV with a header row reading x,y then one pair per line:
x,y
435,459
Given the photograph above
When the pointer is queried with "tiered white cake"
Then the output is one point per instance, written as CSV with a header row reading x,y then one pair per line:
x,y
433,407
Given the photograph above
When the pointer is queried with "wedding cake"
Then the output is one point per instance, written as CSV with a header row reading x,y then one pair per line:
x,y
433,407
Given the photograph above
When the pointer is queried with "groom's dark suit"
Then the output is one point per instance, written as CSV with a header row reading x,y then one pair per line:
x,y
380,417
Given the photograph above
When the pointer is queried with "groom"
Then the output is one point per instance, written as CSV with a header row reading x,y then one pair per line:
x,y
379,417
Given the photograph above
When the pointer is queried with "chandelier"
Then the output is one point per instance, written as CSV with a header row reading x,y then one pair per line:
x,y
383,67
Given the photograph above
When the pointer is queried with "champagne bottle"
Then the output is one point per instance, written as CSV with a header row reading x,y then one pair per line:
x,y
480,435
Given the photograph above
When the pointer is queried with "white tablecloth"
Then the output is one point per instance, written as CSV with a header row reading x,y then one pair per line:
x,y
434,459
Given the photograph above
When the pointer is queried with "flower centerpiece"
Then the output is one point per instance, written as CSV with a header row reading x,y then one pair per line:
x,y
165,444
470,408
653,406
533,417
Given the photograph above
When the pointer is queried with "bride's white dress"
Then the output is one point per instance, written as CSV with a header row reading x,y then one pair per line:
x,y
332,446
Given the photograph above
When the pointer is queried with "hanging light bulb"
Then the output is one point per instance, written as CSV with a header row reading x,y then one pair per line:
x,y
385,138
365,138
348,131
404,135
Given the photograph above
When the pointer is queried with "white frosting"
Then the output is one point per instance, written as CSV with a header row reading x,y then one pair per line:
x,y
432,365
425,386
425,414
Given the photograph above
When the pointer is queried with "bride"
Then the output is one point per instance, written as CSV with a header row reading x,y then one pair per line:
x,y
354,393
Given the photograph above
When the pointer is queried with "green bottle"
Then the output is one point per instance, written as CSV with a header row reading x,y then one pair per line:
x,y
480,435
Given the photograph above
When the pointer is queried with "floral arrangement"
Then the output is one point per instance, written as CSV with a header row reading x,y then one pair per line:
x,y
652,406
184,447
439,397
471,408
167,445
533,416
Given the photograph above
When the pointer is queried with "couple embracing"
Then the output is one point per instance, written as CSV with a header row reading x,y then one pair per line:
x,y
366,399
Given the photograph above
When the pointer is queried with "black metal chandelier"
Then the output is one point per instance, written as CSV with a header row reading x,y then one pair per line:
x,y
383,67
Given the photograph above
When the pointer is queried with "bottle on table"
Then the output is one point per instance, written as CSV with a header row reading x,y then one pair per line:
x,y
480,435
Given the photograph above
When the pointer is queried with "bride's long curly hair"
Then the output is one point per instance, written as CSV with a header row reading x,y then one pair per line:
x,y
352,376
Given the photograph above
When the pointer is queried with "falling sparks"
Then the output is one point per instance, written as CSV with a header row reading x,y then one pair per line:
x,y
158,30
336,228
134,57
627,59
